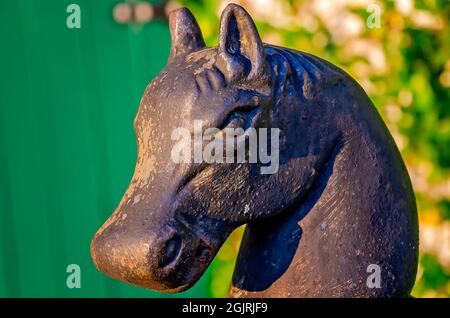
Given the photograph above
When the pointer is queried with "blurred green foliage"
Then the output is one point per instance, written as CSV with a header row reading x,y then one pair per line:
x,y
404,66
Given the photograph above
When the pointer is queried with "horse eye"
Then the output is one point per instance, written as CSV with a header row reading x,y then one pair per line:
x,y
240,117
234,120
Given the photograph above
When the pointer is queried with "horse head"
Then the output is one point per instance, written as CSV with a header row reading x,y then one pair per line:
x,y
175,215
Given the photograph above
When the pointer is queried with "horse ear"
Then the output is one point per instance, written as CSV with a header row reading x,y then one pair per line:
x,y
185,33
240,48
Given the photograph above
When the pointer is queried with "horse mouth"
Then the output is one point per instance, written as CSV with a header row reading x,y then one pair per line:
x,y
202,252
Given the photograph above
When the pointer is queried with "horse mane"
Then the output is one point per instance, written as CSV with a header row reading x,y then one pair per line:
x,y
302,70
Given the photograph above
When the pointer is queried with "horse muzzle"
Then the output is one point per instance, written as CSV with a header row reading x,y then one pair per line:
x,y
168,259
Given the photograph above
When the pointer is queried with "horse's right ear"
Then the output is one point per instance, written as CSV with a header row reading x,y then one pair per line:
x,y
240,50
185,33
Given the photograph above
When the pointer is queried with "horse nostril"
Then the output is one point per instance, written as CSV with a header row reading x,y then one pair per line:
x,y
170,251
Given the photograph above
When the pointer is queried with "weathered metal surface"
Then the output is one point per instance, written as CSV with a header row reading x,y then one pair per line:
x,y
340,201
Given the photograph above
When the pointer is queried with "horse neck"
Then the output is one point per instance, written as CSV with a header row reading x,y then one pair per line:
x,y
360,211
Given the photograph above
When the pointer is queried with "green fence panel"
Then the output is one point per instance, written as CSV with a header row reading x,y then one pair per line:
x,y
67,147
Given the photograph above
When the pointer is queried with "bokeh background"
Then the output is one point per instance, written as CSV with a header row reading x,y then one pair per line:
x,y
68,98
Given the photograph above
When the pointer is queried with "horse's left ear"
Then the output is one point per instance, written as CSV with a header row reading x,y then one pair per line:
x,y
185,33
240,50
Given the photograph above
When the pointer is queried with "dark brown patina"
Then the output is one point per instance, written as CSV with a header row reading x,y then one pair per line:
x,y
340,200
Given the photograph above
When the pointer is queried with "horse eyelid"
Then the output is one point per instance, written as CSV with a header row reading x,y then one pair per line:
x,y
243,110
